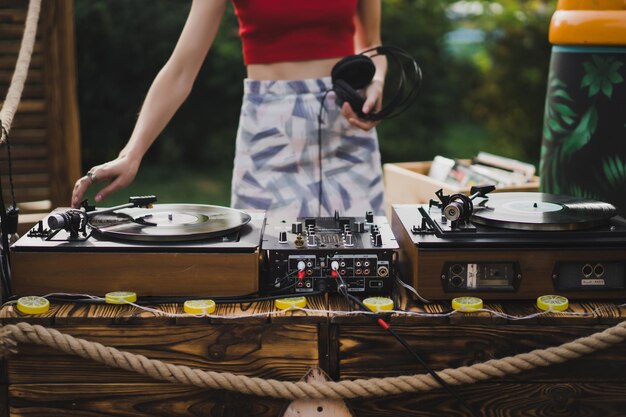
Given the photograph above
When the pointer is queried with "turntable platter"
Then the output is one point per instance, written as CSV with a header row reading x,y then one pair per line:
x,y
539,211
170,222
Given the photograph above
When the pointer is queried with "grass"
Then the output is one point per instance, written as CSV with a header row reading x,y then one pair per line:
x,y
175,186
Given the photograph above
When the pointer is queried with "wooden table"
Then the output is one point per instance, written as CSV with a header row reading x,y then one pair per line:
x,y
39,381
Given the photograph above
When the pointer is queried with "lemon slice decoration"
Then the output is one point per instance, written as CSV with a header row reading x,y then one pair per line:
x,y
33,304
377,304
467,304
552,303
290,303
120,297
199,306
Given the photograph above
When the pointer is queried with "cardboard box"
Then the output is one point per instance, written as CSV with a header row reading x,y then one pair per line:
x,y
409,183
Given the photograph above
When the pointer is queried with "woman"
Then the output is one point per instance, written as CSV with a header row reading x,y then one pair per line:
x,y
289,50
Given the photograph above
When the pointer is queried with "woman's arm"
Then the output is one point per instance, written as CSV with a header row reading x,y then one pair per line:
x,y
367,36
166,94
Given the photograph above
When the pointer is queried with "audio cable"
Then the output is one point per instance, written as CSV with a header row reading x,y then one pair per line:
x,y
342,288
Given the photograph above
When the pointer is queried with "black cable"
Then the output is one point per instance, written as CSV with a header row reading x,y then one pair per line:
x,y
343,289
4,240
319,151
10,161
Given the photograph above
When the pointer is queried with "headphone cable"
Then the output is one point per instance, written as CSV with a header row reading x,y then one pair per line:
x,y
319,152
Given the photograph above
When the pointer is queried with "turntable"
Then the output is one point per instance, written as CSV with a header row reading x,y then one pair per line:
x,y
512,246
160,250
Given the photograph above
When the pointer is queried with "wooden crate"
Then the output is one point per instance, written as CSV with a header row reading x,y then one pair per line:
x,y
409,183
41,381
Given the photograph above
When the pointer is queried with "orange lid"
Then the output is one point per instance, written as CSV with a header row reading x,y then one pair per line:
x,y
589,22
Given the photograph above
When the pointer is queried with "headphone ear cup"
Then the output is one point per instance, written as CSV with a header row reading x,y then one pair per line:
x,y
345,93
356,70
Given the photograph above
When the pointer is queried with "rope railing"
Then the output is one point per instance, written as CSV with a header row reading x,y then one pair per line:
x,y
14,93
12,334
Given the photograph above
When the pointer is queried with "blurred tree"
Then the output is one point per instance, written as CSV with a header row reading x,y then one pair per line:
x,y
121,46
419,27
509,97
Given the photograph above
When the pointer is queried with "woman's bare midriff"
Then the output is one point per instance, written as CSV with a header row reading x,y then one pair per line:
x,y
300,70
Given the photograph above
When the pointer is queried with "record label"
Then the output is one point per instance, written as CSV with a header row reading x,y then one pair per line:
x,y
170,222
539,211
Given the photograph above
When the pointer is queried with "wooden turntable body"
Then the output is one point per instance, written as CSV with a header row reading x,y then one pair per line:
x,y
222,266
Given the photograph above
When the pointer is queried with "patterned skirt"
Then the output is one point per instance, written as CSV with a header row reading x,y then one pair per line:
x,y
278,158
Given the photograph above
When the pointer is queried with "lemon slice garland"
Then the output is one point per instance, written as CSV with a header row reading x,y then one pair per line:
x,y
377,304
120,297
33,304
552,303
197,307
290,303
467,304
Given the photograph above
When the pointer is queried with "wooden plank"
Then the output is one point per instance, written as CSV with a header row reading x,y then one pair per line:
x,y
57,21
29,120
368,351
23,166
510,400
137,400
13,47
10,315
7,62
31,106
28,152
31,91
35,75
267,351
93,314
31,194
15,12
27,180
27,136
146,273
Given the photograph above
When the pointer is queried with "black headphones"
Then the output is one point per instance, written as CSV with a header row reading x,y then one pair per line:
x,y
355,72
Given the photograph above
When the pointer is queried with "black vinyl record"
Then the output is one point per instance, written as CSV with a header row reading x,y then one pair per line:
x,y
539,211
169,222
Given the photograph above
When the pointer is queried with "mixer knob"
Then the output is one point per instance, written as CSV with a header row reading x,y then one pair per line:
x,y
359,226
296,228
378,239
282,237
349,239
369,217
310,241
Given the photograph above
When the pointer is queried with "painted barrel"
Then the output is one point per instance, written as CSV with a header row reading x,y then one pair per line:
x,y
583,150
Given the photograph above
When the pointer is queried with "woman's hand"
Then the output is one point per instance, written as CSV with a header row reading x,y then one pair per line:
x,y
118,173
373,104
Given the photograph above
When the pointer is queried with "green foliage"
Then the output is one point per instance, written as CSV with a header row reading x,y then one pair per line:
x,y
508,99
121,46
419,27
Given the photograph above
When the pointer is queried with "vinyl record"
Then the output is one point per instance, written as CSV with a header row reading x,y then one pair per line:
x,y
169,222
539,211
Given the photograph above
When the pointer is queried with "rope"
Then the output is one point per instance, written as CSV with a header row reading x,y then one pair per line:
x,y
496,368
16,87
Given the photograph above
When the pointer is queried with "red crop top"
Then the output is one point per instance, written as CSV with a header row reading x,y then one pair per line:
x,y
295,30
